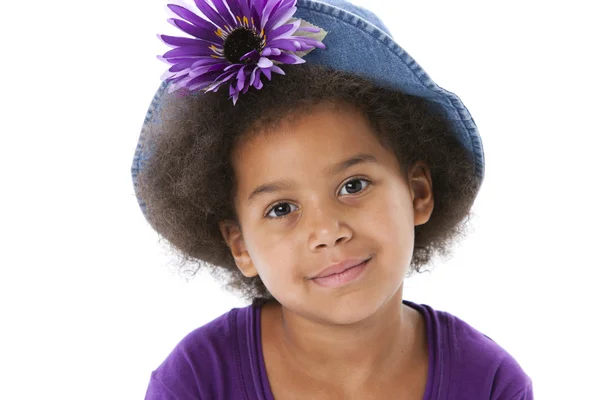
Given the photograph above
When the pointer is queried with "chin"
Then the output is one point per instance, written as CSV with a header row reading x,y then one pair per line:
x,y
346,310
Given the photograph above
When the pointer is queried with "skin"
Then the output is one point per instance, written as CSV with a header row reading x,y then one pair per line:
x,y
357,340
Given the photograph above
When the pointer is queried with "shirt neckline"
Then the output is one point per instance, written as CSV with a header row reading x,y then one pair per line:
x,y
256,372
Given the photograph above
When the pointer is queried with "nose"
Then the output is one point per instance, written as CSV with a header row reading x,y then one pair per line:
x,y
326,228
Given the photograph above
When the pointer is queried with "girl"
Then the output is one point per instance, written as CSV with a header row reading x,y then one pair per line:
x,y
313,195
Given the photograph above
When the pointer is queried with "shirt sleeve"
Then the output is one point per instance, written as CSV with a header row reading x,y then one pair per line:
x,y
525,394
157,390
511,382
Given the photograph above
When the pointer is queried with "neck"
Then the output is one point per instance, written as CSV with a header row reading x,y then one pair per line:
x,y
382,345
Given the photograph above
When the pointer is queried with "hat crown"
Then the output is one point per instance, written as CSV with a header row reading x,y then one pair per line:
x,y
354,9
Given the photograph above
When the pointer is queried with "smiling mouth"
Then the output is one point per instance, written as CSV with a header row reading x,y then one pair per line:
x,y
342,278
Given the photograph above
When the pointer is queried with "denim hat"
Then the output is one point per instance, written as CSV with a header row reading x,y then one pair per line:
x,y
357,42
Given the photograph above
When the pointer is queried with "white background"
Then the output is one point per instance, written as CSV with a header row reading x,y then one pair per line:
x,y
89,304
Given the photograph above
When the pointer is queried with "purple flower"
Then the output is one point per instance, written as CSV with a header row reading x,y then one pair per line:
x,y
235,41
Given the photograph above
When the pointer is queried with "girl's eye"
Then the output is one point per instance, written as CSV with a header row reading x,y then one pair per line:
x,y
280,210
353,186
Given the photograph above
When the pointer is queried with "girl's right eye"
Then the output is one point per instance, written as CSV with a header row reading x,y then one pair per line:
x,y
282,208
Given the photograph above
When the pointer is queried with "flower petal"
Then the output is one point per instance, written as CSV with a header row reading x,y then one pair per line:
x,y
175,41
303,47
233,93
267,51
257,83
264,62
161,58
219,82
309,29
203,70
190,16
200,82
180,66
224,12
267,73
241,77
282,44
210,13
181,82
188,51
233,66
284,30
270,7
310,42
258,6
175,60
200,33
253,74
247,85
168,75
252,55
235,10
198,62
227,75
288,58
244,9
277,70
255,14
280,17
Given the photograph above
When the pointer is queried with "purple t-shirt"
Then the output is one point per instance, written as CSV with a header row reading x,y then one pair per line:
x,y
223,360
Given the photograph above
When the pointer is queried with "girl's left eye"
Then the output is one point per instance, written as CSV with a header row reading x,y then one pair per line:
x,y
350,185
355,180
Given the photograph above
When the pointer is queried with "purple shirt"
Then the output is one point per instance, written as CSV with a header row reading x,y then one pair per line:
x,y
223,360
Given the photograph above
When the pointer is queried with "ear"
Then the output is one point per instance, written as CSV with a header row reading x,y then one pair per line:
x,y
419,181
232,234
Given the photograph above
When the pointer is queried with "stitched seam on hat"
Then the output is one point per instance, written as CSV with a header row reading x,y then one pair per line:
x,y
142,140
342,15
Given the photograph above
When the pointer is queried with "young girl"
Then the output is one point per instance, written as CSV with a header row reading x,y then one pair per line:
x,y
313,195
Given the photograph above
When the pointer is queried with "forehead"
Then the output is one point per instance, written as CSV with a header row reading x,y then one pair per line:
x,y
306,147
305,134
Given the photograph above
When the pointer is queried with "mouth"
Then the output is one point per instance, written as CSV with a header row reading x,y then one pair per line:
x,y
342,278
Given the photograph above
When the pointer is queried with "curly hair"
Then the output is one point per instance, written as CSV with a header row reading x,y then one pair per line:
x,y
188,182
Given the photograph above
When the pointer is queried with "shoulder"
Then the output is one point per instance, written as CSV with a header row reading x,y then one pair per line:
x,y
198,366
471,363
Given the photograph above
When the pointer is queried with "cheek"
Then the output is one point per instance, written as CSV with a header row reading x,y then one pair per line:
x,y
391,223
274,258
279,272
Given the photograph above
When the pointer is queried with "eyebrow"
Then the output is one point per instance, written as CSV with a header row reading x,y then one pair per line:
x,y
335,169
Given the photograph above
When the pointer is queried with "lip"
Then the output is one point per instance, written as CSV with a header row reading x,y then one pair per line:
x,y
340,267
342,278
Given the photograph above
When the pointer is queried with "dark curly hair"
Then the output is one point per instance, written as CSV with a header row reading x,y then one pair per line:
x,y
188,183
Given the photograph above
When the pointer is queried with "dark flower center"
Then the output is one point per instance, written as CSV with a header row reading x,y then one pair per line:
x,y
240,42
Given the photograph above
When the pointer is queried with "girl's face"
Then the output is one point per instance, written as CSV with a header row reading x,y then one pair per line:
x,y
302,207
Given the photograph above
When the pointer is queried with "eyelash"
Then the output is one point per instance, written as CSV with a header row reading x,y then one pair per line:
x,y
369,183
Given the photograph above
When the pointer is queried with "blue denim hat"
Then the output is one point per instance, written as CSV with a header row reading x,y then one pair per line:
x,y
359,43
